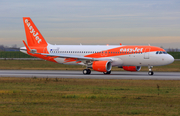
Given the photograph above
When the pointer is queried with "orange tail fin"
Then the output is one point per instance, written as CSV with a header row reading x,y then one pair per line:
x,y
33,36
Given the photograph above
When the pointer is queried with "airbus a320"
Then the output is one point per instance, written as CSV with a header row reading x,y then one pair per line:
x,y
97,57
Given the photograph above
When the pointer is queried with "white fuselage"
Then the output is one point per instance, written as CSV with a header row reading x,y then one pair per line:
x,y
118,58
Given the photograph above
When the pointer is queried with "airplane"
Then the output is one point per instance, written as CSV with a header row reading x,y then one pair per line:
x,y
100,58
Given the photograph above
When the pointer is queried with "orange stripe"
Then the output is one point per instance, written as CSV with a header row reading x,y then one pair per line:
x,y
69,60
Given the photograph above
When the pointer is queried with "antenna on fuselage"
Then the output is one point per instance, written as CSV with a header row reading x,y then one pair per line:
x,y
149,44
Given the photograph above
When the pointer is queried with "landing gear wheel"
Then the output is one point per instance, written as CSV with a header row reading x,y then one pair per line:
x,y
109,72
89,71
86,71
150,72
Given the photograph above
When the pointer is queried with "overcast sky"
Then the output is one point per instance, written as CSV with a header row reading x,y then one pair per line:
x,y
130,22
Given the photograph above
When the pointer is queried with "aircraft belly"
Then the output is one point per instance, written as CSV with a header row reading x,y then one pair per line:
x,y
130,60
138,60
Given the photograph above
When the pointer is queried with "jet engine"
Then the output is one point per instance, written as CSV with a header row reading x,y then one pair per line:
x,y
102,66
132,68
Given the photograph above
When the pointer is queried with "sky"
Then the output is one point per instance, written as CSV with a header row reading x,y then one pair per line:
x,y
97,22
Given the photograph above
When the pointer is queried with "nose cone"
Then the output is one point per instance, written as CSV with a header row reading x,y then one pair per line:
x,y
169,59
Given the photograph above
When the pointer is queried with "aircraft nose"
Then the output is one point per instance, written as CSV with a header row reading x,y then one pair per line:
x,y
170,59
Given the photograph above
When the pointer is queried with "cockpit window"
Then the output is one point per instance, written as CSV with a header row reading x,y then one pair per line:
x,y
161,52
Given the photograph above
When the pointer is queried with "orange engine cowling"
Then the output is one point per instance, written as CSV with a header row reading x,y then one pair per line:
x,y
132,68
102,66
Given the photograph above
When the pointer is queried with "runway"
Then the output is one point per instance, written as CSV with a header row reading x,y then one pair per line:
x,y
94,74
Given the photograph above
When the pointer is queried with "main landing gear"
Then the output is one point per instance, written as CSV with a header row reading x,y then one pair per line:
x,y
150,70
86,71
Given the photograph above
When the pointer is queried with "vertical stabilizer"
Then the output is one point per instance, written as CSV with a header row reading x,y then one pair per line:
x,y
33,36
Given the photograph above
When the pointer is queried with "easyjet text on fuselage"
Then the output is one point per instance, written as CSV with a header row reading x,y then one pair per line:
x,y
131,49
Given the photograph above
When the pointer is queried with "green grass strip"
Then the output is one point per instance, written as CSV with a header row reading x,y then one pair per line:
x,y
79,97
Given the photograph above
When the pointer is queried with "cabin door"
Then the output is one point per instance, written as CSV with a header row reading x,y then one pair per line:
x,y
146,53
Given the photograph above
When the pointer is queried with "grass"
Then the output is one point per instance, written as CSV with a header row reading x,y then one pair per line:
x,y
79,97
46,65
176,55
13,54
37,65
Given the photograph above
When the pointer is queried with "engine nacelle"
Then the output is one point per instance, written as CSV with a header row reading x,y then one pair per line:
x,y
132,68
102,66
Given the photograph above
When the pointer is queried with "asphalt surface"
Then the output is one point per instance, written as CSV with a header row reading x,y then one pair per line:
x,y
94,74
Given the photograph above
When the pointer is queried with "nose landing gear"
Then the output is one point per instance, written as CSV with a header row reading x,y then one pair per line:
x,y
150,70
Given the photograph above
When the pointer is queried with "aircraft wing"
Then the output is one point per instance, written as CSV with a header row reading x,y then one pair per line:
x,y
76,56
67,55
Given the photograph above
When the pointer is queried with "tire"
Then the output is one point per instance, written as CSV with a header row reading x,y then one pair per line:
x,y
150,73
86,71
